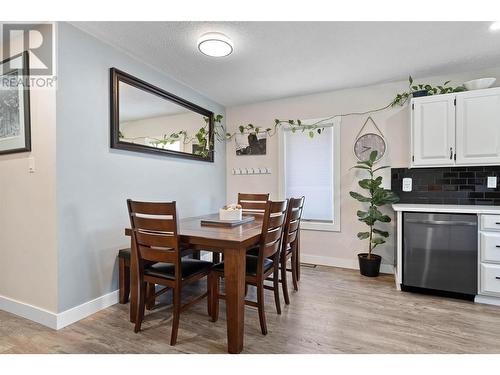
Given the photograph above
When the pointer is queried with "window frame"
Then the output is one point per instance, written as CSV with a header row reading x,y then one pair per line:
x,y
306,224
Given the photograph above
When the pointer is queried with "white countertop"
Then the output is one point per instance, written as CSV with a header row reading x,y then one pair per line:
x,y
447,208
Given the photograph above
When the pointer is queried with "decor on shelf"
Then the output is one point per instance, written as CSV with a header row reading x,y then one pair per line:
x,y
479,84
15,132
369,263
368,142
422,89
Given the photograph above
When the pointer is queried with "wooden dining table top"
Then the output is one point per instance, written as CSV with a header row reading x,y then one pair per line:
x,y
193,231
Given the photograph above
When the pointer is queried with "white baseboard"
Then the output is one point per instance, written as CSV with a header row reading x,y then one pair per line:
x,y
487,300
27,311
63,319
340,262
86,309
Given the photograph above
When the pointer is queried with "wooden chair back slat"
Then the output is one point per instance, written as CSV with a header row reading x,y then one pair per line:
x,y
155,224
272,229
273,235
292,224
155,239
253,203
157,255
153,208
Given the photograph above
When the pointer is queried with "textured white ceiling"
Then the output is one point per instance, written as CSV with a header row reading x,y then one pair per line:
x,y
279,59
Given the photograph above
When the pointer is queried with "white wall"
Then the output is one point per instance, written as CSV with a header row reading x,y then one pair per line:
x,y
94,181
333,248
28,242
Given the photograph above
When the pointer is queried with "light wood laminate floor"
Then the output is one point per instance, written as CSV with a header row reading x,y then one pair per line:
x,y
335,311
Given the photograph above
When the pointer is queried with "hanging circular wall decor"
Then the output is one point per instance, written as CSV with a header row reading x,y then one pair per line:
x,y
368,142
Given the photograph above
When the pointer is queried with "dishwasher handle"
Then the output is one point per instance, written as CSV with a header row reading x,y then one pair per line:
x,y
442,222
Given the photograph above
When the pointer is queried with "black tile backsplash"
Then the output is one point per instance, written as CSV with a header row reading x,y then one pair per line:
x,y
453,185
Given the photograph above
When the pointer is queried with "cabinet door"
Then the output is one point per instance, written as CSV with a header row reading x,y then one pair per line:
x,y
478,127
433,131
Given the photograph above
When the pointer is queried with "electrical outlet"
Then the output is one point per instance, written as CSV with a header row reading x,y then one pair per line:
x,y
407,184
492,182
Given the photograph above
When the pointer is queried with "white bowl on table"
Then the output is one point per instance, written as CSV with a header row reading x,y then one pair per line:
x,y
230,215
478,84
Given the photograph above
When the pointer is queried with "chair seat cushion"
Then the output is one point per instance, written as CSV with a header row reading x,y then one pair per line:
x,y
189,268
124,253
251,263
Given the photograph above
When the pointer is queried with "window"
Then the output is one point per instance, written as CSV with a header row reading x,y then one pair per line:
x,y
310,167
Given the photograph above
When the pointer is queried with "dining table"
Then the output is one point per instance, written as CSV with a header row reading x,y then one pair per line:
x,y
233,243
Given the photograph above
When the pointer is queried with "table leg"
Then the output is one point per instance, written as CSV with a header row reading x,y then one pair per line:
x,y
134,282
234,282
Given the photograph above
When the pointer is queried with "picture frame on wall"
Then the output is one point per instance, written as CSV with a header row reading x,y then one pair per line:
x,y
15,127
251,144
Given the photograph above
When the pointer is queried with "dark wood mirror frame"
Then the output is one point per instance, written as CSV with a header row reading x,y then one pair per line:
x,y
117,76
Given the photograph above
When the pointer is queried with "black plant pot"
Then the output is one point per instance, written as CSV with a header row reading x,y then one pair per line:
x,y
369,266
419,93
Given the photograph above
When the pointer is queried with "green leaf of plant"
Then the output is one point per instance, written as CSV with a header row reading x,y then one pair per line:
x,y
361,167
242,129
373,156
359,197
378,240
379,168
363,235
410,79
446,83
381,232
311,134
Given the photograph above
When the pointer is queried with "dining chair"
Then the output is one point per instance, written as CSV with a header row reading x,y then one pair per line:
x,y
290,244
159,258
258,268
253,203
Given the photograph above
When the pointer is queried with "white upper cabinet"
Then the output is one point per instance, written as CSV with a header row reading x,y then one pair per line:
x,y
478,127
433,130
456,129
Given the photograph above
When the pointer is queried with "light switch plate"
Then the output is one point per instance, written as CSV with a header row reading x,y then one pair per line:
x,y
31,164
492,182
407,184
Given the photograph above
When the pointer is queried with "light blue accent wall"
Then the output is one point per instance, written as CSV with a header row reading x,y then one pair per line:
x,y
94,181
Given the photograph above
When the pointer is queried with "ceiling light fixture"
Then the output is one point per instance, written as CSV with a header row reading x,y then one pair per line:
x,y
215,45
495,26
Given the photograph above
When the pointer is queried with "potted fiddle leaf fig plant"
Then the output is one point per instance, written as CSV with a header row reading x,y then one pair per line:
x,y
376,197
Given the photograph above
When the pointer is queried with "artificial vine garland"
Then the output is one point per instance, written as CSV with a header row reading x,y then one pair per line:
x,y
203,138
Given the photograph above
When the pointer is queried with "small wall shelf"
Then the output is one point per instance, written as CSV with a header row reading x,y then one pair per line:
x,y
250,171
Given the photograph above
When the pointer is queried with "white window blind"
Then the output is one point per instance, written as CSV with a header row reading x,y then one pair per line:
x,y
309,171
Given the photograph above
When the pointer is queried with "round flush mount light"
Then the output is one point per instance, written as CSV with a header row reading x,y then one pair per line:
x,y
495,26
215,45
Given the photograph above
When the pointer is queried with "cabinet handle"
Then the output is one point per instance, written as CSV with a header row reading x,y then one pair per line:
x,y
497,223
451,153
497,246
498,277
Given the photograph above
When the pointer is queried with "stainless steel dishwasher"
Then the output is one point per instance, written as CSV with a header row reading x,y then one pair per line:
x,y
440,252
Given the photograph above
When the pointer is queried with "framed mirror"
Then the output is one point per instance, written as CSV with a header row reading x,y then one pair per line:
x,y
146,118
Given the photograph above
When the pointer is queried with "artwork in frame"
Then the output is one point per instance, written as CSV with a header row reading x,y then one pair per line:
x,y
15,132
251,144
